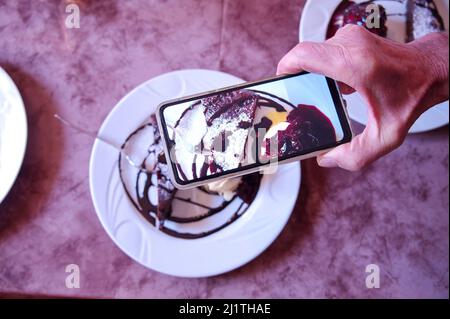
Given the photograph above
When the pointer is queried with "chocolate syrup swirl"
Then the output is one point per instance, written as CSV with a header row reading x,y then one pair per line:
x,y
158,213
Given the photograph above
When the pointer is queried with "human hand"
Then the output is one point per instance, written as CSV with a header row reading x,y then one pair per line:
x,y
397,81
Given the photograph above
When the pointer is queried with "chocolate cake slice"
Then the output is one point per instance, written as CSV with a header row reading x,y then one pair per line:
x,y
231,105
350,12
166,193
228,117
422,18
158,180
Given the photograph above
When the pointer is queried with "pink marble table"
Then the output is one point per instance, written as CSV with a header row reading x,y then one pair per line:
x,y
394,214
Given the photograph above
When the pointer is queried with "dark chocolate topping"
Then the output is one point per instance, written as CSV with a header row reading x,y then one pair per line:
x,y
308,128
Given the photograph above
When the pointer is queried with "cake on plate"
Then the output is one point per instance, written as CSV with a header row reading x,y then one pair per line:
x,y
421,16
229,130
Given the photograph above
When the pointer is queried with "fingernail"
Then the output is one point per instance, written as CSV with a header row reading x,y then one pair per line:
x,y
327,162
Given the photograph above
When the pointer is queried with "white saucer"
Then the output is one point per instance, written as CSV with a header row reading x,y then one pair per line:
x,y
13,133
220,252
313,27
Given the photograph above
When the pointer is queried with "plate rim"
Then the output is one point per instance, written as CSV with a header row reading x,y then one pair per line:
x,y
235,265
23,116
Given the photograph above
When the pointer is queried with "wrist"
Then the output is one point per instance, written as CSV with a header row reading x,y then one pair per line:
x,y
433,50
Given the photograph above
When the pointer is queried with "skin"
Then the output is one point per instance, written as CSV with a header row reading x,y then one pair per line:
x,y
397,81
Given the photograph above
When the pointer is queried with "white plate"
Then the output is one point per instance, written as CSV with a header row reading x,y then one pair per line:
x,y
313,27
220,252
13,133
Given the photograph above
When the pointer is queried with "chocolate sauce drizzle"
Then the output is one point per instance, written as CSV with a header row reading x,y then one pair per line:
x,y
271,103
246,193
158,214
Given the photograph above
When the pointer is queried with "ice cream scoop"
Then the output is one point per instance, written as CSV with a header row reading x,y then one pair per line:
x,y
225,187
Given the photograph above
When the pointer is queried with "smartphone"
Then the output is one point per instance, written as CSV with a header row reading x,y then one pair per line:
x,y
245,128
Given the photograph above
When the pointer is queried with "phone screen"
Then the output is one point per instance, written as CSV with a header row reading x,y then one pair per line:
x,y
251,125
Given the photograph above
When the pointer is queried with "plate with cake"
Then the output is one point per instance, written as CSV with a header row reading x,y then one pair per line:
x,y
401,20
197,232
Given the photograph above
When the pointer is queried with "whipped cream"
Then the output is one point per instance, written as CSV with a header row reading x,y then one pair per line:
x,y
424,21
225,187
191,129
235,141
271,133
274,129
196,142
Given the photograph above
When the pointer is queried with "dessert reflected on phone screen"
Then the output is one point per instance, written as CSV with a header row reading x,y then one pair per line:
x,y
253,125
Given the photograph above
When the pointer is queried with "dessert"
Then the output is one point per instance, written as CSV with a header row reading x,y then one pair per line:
x,y
154,196
421,17
229,130
305,128
237,121
225,187
210,136
350,12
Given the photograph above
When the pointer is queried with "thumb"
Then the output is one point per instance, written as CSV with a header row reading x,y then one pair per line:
x,y
364,149
324,58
